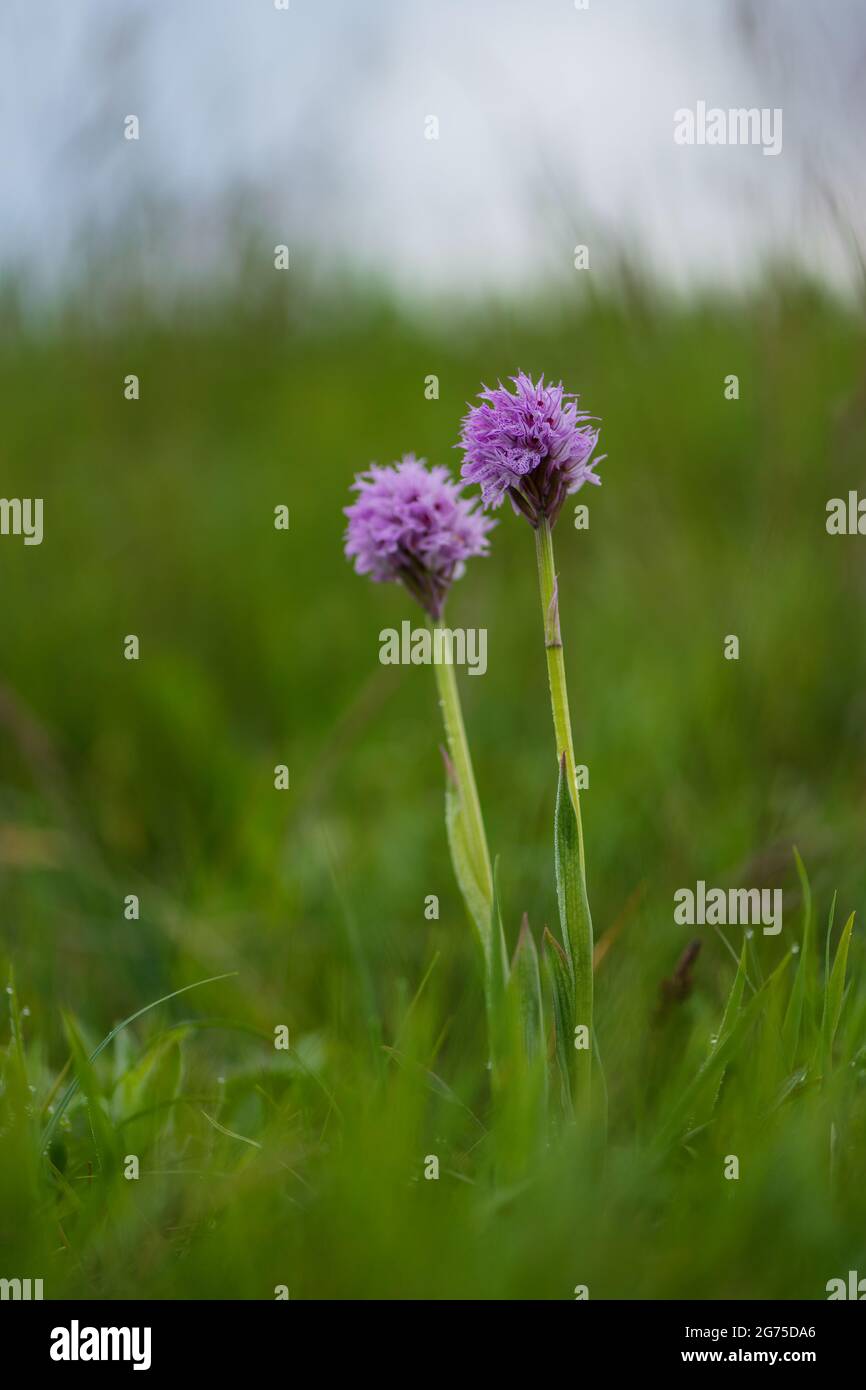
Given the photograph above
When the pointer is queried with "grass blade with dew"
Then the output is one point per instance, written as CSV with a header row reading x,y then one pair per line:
x,y
72,1088
725,1049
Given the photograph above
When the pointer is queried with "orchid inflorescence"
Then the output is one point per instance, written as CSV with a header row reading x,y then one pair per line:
x,y
415,525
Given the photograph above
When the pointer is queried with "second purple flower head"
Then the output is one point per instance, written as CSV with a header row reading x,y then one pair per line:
x,y
531,445
412,524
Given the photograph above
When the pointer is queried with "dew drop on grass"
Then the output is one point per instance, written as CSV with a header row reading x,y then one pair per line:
x,y
795,948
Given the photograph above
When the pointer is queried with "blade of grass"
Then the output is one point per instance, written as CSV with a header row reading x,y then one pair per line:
x,y
725,1050
526,979
792,1026
562,996
74,1084
833,997
103,1131
496,984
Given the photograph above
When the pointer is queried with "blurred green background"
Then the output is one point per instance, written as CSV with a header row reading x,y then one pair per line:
x,y
260,647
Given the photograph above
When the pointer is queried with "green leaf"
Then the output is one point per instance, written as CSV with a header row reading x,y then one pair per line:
x,y
790,1087
725,1050
600,1092
735,997
148,1088
732,1011
469,881
104,1135
569,893
73,1086
562,998
525,981
495,984
14,1075
833,996
433,1082
792,1025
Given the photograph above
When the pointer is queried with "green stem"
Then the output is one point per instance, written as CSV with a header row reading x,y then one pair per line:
x,y
556,663
582,948
470,806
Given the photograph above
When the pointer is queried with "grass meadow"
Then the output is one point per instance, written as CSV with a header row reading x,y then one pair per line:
x,y
304,1167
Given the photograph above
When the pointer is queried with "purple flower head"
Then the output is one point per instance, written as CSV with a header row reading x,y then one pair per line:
x,y
531,446
412,524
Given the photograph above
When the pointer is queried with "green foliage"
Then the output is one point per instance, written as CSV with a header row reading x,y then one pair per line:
x,y
306,1167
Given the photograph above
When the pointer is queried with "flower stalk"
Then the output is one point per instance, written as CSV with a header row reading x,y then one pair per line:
x,y
466,834
413,526
549,591
535,447
470,858
577,921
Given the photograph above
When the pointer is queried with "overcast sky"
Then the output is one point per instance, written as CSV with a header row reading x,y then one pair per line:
x,y
555,128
